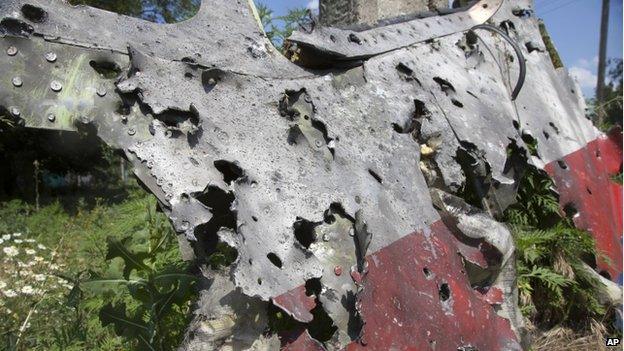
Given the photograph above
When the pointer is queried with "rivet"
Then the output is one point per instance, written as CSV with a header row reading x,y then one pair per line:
x,y
50,56
11,51
17,81
51,117
318,143
185,225
56,86
14,111
338,270
84,119
131,131
101,91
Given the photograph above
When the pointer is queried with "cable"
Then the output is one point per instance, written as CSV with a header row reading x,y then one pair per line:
x,y
521,60
558,7
545,6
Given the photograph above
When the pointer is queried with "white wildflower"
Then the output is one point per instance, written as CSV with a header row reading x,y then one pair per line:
x,y
1,241
10,251
41,247
6,237
28,290
30,240
40,277
17,234
38,258
30,251
2,285
10,293
18,241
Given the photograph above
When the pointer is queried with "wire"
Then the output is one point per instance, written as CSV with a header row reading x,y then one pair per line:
x,y
558,7
545,6
516,47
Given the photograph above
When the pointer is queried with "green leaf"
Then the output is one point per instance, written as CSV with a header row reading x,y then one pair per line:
x,y
102,284
172,288
74,296
142,293
554,281
132,261
124,325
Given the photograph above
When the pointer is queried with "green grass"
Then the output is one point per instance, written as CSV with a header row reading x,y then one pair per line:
x,y
47,296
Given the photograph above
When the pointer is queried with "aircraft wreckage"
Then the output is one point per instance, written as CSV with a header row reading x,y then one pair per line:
x,y
334,174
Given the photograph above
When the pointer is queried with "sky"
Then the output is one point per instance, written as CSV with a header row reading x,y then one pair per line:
x,y
574,26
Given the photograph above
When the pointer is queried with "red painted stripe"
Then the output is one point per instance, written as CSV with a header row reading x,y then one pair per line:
x,y
583,180
297,304
403,301
303,342
401,305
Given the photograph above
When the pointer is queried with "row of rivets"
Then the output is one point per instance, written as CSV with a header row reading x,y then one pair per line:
x,y
55,85
49,56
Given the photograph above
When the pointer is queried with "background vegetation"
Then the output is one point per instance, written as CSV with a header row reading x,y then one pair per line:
x,y
611,109
65,277
558,296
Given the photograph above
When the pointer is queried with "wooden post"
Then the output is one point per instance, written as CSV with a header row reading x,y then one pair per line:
x,y
602,60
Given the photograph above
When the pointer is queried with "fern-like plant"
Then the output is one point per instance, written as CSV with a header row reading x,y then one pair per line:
x,y
550,251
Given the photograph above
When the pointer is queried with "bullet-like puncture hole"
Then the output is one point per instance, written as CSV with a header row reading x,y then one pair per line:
x,y
444,291
277,262
427,272
34,13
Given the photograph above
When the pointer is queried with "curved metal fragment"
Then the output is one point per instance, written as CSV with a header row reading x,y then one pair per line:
x,y
350,45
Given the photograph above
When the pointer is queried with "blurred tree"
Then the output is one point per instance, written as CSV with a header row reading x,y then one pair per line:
x,y
159,11
610,110
278,28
